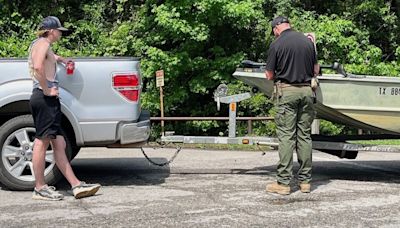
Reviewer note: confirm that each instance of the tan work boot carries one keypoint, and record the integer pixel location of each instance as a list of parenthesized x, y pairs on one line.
[(305, 187), (278, 188)]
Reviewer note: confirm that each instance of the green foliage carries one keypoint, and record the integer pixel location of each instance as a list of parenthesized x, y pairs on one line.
[(199, 44), (329, 128), (391, 142)]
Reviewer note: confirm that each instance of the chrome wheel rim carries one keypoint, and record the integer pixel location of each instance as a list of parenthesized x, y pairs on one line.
[(16, 155)]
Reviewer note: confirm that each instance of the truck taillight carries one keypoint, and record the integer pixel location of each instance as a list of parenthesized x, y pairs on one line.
[(127, 85), (132, 95)]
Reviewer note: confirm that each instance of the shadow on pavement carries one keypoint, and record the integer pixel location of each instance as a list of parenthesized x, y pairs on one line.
[(138, 171), (353, 170), (118, 171)]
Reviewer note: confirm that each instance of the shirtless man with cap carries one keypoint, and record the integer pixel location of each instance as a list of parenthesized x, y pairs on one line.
[(46, 112)]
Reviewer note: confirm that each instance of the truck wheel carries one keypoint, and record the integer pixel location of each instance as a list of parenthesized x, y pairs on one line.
[(16, 145)]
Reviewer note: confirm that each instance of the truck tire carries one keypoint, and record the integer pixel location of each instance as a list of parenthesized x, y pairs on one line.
[(75, 149), (16, 144)]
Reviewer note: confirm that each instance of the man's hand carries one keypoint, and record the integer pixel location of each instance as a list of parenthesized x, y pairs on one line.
[(62, 60), (316, 70), (65, 61), (269, 74)]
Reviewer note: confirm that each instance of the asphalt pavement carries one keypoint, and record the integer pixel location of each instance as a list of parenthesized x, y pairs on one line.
[(205, 188)]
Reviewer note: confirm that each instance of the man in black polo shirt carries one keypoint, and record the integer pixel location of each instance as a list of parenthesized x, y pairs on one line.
[(291, 63)]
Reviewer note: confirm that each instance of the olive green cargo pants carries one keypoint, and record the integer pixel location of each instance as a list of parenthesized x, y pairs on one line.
[(295, 114)]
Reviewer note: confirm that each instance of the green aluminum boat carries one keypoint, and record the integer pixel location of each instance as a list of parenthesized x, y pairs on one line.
[(365, 102)]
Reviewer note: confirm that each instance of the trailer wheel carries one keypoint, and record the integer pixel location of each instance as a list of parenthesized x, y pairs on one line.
[(16, 146)]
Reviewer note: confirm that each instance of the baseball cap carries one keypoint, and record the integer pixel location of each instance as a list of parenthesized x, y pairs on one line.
[(279, 20), (51, 22)]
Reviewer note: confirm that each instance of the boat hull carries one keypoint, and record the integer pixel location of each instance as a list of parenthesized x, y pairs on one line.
[(370, 102)]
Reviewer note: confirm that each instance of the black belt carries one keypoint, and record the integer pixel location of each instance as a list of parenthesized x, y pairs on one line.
[(283, 85)]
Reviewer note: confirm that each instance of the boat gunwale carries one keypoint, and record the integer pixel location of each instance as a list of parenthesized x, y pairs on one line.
[(337, 77), (363, 108)]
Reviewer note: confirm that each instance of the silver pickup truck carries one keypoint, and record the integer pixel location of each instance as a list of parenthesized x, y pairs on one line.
[(100, 103)]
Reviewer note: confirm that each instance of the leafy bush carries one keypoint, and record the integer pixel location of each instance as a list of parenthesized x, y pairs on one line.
[(199, 44)]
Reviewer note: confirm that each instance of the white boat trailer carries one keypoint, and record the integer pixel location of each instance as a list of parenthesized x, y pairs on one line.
[(331, 145)]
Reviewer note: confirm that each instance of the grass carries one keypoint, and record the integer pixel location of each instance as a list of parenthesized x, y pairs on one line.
[(391, 142), (217, 146)]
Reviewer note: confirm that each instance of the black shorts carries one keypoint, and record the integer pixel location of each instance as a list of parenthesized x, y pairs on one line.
[(46, 112)]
